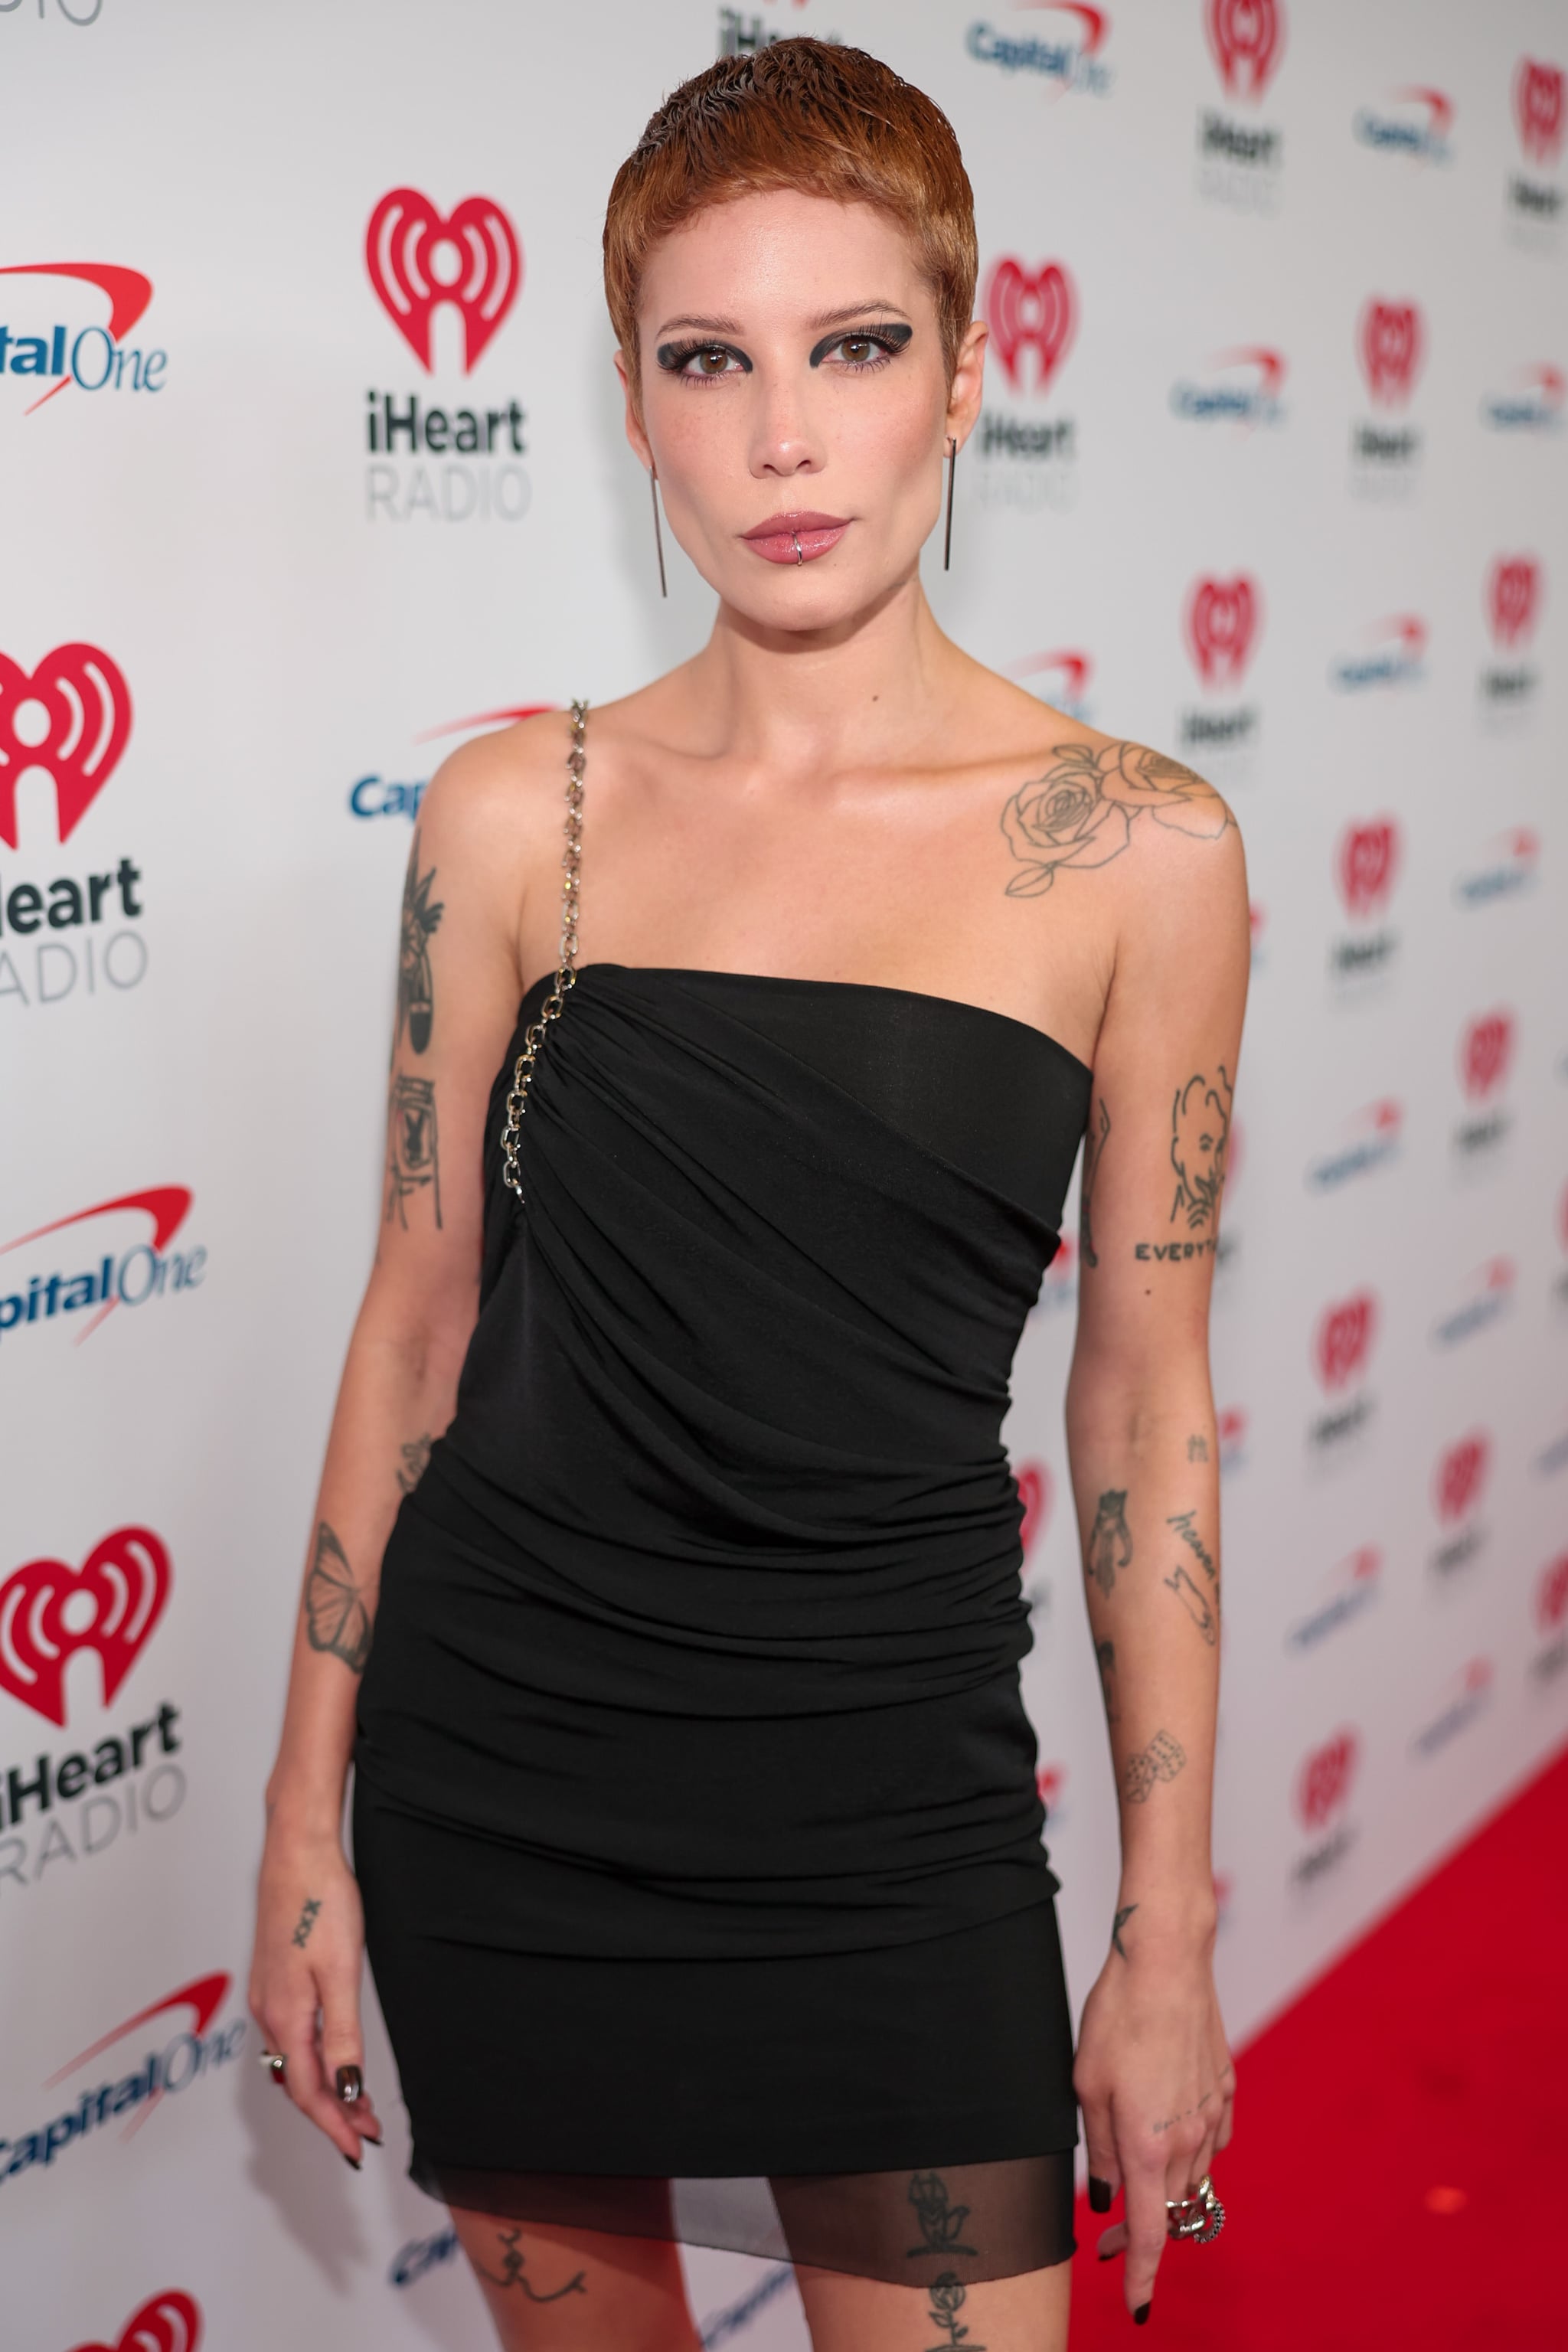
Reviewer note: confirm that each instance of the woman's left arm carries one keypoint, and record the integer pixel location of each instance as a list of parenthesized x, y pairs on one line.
[(1153, 2074)]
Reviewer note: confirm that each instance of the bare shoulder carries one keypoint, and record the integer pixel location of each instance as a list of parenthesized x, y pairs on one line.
[(491, 794), (1096, 799)]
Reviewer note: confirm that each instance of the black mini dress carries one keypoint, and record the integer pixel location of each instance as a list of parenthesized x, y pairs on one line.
[(695, 1807)]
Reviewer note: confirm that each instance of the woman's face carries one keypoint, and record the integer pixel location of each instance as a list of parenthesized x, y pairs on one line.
[(795, 404)]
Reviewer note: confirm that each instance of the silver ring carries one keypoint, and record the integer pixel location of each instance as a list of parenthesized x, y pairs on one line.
[(1200, 2217), (276, 2066)]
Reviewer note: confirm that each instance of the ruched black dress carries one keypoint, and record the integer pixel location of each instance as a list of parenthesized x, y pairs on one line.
[(695, 1807)]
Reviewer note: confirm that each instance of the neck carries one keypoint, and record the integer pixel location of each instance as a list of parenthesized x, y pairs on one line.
[(799, 698)]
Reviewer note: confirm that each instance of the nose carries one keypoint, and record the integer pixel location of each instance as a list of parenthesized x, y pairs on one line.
[(784, 443)]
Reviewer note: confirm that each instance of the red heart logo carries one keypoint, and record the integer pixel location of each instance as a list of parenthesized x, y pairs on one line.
[(1391, 343), (1552, 1595), (1222, 616), (1364, 866), (170, 2322), (1512, 594), (1036, 1492), (86, 706), (1486, 1049), (1245, 37), (1461, 1474), (1325, 1781), (48, 1610), (1538, 106), (416, 260), (1344, 1338), (1025, 312)]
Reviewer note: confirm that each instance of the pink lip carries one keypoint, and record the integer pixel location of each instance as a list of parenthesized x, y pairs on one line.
[(796, 537)]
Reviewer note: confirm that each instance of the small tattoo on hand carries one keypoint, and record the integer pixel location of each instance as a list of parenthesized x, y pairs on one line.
[(307, 1920)]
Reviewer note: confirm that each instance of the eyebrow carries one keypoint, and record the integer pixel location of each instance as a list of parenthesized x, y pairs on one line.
[(876, 305)]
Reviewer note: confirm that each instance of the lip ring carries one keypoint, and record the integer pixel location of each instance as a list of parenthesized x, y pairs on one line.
[(799, 556)]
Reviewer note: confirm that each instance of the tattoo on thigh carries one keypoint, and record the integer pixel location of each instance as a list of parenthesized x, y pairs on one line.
[(1161, 1760), (1110, 1538), (307, 1920), (941, 2224), (1194, 1603), (513, 2260), (947, 2295), (336, 1618)]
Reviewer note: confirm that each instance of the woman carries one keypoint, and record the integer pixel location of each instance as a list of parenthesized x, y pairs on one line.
[(695, 1817)]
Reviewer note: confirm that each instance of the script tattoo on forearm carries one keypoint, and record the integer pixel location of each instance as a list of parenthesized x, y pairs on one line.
[(336, 1619), (1161, 1760), (415, 988), (514, 2262), (1105, 1654), (1119, 1922), (1183, 1523), (306, 1921), (1081, 811), (1194, 1603), (1093, 1153), (413, 1150), (416, 1458), (1110, 1540)]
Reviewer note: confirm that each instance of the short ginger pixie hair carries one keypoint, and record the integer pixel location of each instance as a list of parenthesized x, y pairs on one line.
[(807, 115)]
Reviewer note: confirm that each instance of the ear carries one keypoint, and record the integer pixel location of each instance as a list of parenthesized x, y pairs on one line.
[(634, 433), (968, 382)]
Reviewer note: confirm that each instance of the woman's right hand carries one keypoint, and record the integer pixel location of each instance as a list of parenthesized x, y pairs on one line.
[(305, 1983)]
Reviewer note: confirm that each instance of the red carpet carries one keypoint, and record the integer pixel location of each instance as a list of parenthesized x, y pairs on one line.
[(1399, 2176)]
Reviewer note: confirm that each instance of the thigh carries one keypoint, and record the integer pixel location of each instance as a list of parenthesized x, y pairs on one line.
[(555, 2289), (1028, 2314)]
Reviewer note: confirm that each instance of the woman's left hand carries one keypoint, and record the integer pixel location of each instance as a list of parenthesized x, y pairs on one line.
[(1154, 2078)]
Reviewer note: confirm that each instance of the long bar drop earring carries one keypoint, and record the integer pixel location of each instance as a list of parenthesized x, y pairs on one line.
[(951, 470), (659, 537)]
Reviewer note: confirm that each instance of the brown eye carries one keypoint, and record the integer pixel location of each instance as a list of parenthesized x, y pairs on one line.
[(713, 362), (858, 348)]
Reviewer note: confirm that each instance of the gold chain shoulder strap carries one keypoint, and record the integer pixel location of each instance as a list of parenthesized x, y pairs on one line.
[(566, 965)]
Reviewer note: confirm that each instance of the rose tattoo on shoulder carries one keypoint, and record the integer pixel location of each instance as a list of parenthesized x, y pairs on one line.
[(1080, 812)]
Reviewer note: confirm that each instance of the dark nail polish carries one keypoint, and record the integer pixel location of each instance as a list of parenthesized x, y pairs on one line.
[(1110, 2257), (356, 2161), (368, 2142), (1098, 2194), (351, 2084), (1139, 2317)]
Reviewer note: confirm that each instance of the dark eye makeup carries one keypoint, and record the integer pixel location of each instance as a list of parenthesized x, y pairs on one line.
[(879, 344)]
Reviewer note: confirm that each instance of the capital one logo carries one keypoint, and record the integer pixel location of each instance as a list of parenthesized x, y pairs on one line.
[(1323, 1782), (170, 2322), (1513, 598), (1461, 1475), (1030, 311), (418, 260), (1222, 622), (49, 1610), (1036, 1492), (1343, 1338), (71, 716), (1486, 1050), (1538, 107), (1389, 340), (1247, 38), (1366, 863)]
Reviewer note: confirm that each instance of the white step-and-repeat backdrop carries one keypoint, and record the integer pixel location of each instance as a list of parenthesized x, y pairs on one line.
[(1270, 473)]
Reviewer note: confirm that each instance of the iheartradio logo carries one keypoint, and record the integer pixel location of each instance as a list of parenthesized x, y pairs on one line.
[(418, 260), (1247, 38), (1461, 1475), (1390, 340), (170, 2322), (1552, 1595), (1343, 1342), (70, 716), (1323, 1782), (1366, 864), (1036, 1491), (1538, 109), (1030, 311), (1222, 622), (1513, 598), (49, 1610), (1485, 1051)]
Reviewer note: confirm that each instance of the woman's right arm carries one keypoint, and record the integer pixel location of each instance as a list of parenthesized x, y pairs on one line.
[(483, 830)]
